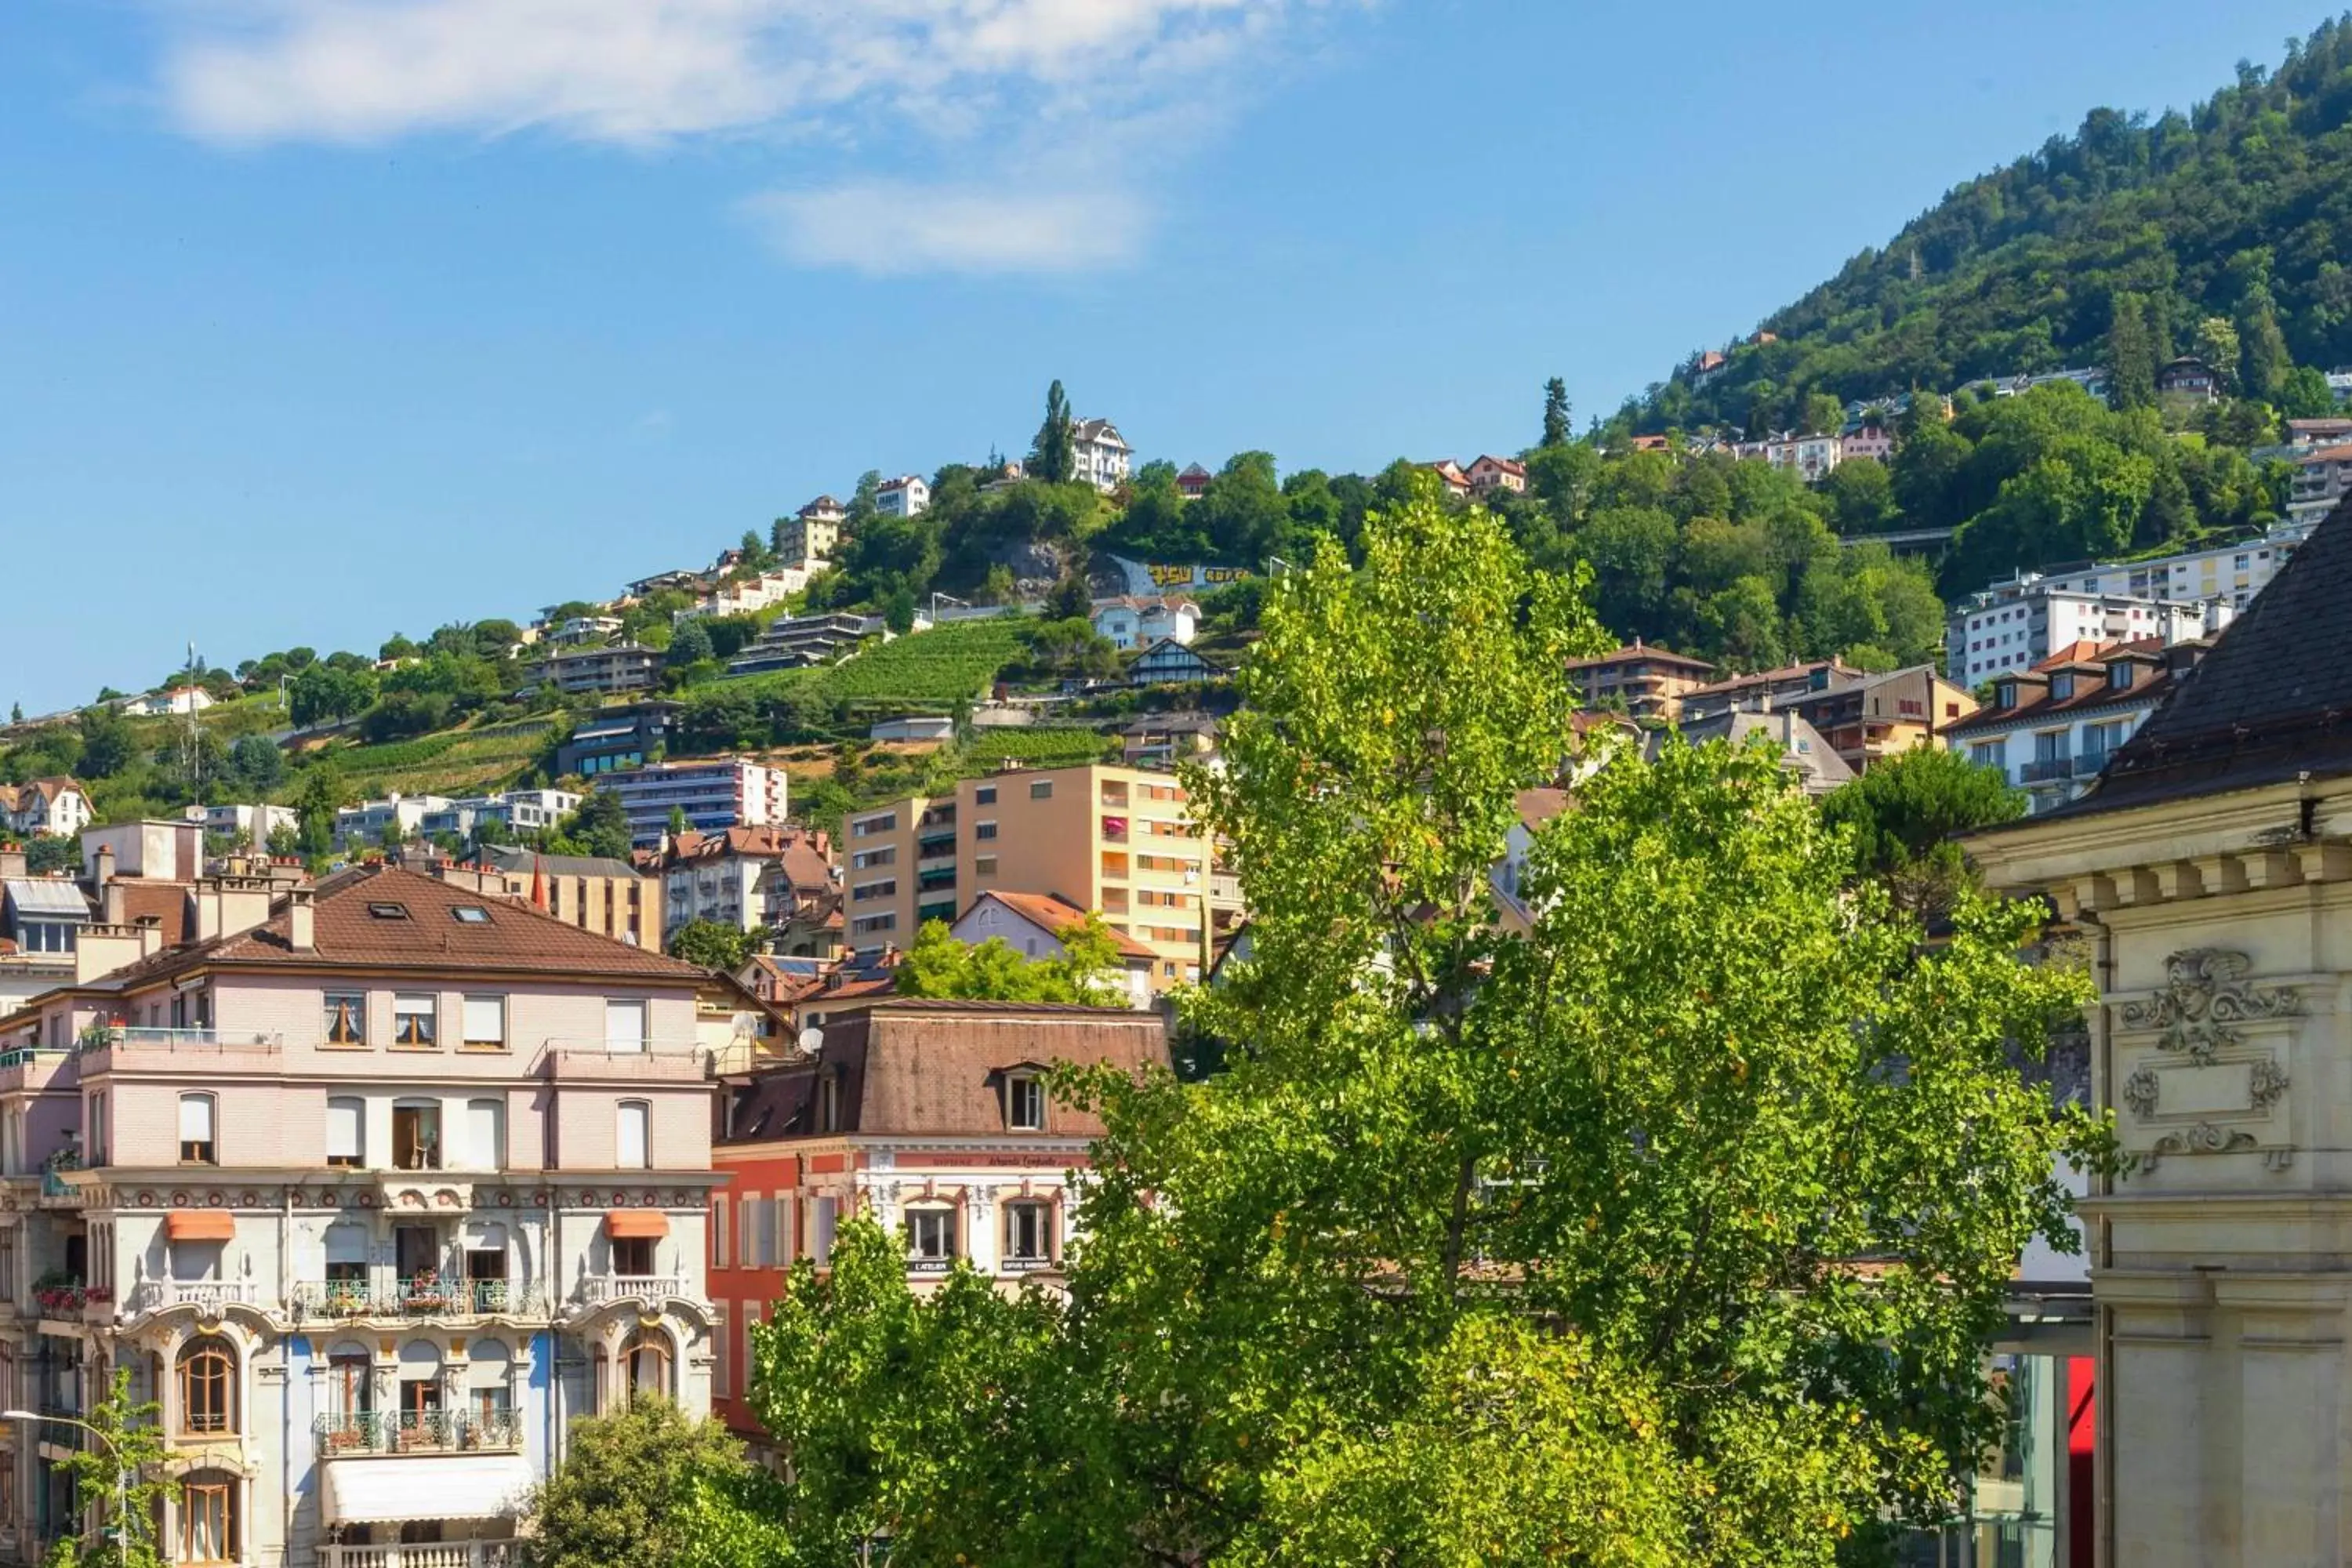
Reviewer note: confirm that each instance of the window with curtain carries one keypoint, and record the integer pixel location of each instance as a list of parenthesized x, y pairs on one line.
[(1028, 1231), (634, 1140), (196, 1145), (485, 1023), (485, 1134), (346, 1019), (207, 1517), (415, 1018), (207, 1370), (624, 1025), (346, 1131)]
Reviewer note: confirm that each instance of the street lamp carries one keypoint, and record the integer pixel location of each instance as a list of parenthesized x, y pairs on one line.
[(121, 1482)]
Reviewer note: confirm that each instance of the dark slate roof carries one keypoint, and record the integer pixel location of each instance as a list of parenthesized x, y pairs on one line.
[(2273, 701)]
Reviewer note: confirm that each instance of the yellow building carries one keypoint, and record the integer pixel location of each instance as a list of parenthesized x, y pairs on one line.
[(1101, 837)]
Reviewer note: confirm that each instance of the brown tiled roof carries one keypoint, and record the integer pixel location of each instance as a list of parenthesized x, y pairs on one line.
[(2273, 701), (802, 851), (427, 936), (930, 1068), (1764, 677), (1538, 806), (1048, 914), (1641, 650), (2091, 692)]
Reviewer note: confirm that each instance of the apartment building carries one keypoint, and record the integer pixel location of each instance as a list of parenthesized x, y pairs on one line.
[(611, 898), (715, 793), (933, 1119), (773, 876), (372, 1189), (908, 494), (1097, 837), (249, 825), (1762, 689), (1998, 635), (1884, 716), (2051, 729), (1099, 455), (1646, 682), (599, 671), (796, 642)]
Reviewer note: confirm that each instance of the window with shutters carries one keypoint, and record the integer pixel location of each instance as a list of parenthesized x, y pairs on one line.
[(346, 1131), (624, 1027), (721, 1257), (486, 1134), (634, 1140), (485, 1023), (196, 1147)]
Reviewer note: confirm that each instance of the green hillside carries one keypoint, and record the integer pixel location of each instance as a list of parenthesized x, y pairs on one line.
[(2221, 231)]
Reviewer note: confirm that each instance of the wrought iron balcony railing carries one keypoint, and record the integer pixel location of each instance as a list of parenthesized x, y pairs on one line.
[(418, 1432)]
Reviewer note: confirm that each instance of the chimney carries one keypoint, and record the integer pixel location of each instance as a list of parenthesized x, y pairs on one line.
[(13, 861), (302, 928), (113, 909), (105, 865)]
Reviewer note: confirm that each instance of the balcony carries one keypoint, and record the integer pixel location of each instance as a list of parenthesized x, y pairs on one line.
[(590, 1057), (439, 1554), (604, 1289), (2047, 769), (1114, 830), (423, 1297), (418, 1432), (932, 844), (101, 1037), (208, 1296)]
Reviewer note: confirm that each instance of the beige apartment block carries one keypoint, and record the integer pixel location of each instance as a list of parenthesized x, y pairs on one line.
[(2209, 870), (1100, 838)]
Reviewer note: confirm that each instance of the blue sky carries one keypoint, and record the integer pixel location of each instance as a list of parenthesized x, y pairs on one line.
[(323, 319)]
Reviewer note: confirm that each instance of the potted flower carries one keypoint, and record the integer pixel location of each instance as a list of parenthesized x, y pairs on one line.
[(425, 1292)]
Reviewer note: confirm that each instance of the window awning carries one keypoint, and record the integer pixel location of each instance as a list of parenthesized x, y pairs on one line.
[(627, 1223), (390, 1491), (200, 1225)]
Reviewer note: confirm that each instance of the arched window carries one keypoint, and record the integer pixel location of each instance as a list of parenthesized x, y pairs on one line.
[(208, 1521), (207, 1386), (644, 1363)]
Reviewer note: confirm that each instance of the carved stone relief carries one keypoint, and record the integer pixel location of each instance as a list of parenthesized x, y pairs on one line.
[(2205, 992)]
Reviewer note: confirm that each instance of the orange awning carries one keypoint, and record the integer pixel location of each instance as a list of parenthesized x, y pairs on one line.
[(625, 1223), (209, 1225)]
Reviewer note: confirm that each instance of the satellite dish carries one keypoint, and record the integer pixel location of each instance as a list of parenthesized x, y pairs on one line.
[(812, 1038)]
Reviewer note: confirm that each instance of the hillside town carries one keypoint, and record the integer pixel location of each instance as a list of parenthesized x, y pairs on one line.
[(641, 928)]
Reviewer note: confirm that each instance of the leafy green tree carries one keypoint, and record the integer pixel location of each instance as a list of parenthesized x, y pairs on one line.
[(601, 827), (107, 748), (1051, 456), (322, 795), (256, 766), (16, 713), (677, 823), (1568, 1215), (1558, 420), (1905, 813), (1088, 968), (48, 852), (2263, 362), (120, 1476), (396, 647), (394, 834), (2304, 393), (1860, 496), (690, 643), (1824, 415), (1070, 598), (715, 944), (646, 1488), (2218, 345), (286, 838)]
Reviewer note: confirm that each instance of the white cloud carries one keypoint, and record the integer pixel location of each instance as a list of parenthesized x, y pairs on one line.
[(639, 70), (886, 226), (908, 118)]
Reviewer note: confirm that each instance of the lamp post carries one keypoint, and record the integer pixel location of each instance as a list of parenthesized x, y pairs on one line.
[(122, 1480)]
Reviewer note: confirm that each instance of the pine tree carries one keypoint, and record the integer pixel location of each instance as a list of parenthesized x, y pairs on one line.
[(1050, 456), (1556, 425), (2131, 358), (2262, 357)]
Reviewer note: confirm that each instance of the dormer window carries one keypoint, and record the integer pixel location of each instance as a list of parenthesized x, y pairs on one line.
[(2119, 676), (1024, 1103), (2062, 686), (2005, 694)]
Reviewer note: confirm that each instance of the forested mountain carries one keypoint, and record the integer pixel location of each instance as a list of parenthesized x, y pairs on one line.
[(2222, 231)]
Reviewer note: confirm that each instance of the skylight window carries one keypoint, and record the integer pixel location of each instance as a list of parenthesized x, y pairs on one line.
[(471, 915), (388, 911)]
